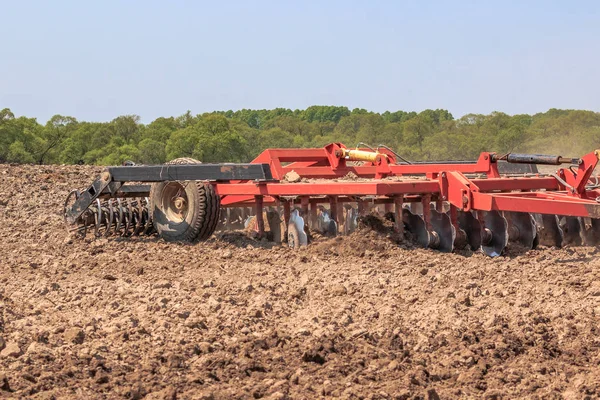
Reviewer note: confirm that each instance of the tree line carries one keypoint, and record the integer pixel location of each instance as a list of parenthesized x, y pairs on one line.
[(239, 136)]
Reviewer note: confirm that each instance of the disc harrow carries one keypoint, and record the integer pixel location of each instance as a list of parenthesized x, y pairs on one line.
[(289, 193), (123, 217)]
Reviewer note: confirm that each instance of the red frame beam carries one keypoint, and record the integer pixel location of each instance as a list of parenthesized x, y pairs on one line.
[(537, 194), (559, 203)]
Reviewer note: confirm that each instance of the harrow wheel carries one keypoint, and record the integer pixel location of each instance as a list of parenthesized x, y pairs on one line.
[(184, 211)]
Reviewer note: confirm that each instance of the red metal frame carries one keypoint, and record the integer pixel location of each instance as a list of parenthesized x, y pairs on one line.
[(393, 182), (326, 163)]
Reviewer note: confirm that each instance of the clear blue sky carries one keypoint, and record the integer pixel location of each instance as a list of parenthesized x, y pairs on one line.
[(98, 60)]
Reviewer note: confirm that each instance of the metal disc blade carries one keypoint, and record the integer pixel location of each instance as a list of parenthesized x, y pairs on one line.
[(441, 224), (472, 227), (498, 226), (248, 221), (572, 230), (322, 223), (416, 226), (350, 220), (536, 240), (593, 234), (298, 222), (550, 234), (416, 208), (525, 227), (332, 229)]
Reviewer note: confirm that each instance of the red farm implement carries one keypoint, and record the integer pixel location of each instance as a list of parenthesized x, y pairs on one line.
[(444, 205)]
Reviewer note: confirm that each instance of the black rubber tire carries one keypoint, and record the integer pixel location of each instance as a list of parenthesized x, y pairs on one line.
[(202, 215)]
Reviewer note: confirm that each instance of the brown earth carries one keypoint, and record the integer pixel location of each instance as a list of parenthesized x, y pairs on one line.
[(350, 317)]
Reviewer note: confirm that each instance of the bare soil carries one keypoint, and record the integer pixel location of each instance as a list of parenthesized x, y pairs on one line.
[(350, 317)]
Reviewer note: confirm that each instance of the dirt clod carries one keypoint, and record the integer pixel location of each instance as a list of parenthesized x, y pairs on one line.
[(12, 349), (4, 385), (292, 177), (338, 290), (74, 335)]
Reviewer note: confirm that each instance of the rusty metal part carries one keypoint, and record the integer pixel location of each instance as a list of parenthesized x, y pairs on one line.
[(517, 158), (112, 217)]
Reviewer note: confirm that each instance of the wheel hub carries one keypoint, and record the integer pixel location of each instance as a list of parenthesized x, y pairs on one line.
[(179, 203), (174, 202)]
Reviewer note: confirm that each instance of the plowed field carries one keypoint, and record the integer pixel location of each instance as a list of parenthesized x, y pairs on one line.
[(352, 317)]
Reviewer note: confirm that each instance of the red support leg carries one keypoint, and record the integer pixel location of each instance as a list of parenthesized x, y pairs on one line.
[(398, 219), (287, 211), (340, 218), (260, 222), (333, 209), (286, 218), (313, 214), (439, 205), (461, 237), (304, 203), (454, 215), (486, 234), (480, 217), (425, 202)]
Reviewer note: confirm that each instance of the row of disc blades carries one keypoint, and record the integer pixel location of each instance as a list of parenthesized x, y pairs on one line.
[(114, 217), (490, 232)]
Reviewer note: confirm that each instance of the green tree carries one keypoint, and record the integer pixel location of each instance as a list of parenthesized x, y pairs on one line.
[(182, 143), (8, 132), (56, 131), (231, 136), (185, 120), (152, 151), (514, 134), (17, 153), (118, 155), (324, 113), (161, 129), (276, 138), (126, 127), (416, 130)]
